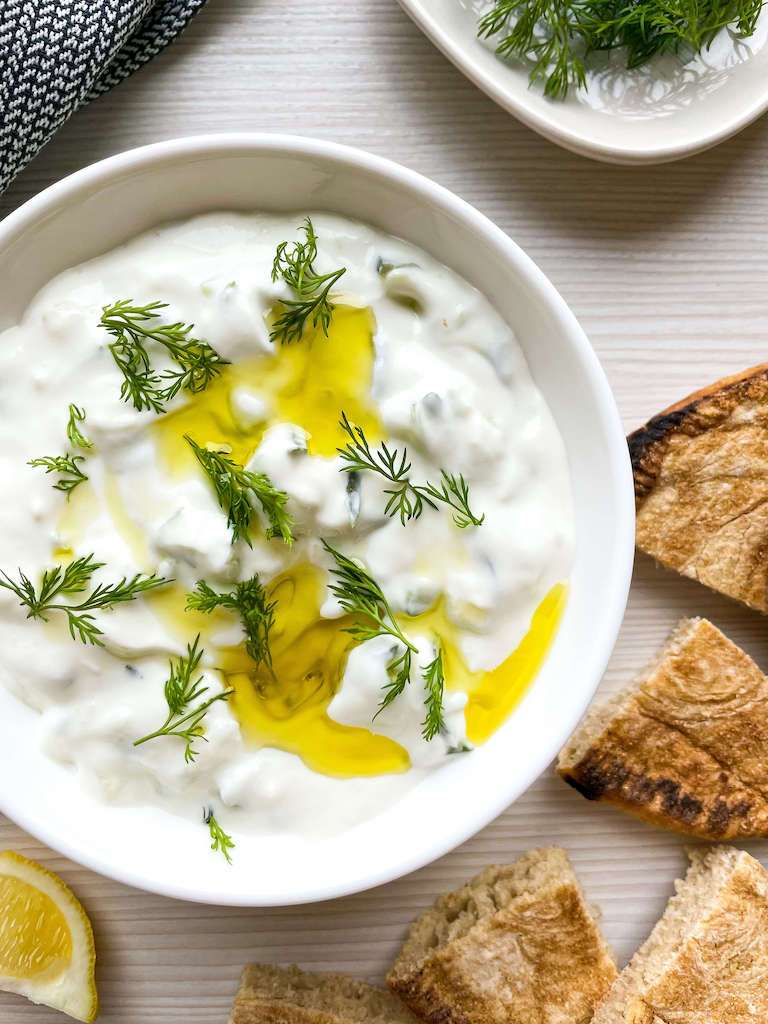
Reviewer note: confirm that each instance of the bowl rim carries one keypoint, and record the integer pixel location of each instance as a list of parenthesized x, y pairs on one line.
[(616, 585), (550, 128)]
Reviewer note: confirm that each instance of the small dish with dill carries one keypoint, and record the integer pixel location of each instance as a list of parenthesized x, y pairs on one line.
[(640, 83)]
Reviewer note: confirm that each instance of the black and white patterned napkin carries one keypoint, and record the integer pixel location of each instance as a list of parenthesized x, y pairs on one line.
[(57, 54)]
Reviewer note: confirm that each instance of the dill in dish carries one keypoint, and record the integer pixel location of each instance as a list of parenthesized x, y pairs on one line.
[(133, 327), (405, 499), (555, 38), (61, 590), (360, 596), (235, 489), (68, 467), (249, 601), (320, 534), (181, 690), (295, 264)]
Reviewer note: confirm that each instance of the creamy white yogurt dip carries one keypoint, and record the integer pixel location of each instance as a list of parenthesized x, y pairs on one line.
[(416, 356)]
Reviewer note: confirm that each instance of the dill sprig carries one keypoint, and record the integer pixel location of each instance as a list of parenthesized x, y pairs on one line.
[(132, 328), (68, 466), (220, 841), (399, 673), (454, 492), (295, 263), (405, 499), (541, 32), (249, 601), (360, 595), (555, 36), (181, 691), (72, 580), (234, 486), (434, 684), (75, 436)]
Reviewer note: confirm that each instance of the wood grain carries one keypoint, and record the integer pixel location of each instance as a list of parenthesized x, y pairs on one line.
[(667, 269)]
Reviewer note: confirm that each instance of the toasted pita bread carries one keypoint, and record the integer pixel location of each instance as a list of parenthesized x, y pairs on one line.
[(686, 747), (517, 945), (706, 961), (286, 995), (701, 486)]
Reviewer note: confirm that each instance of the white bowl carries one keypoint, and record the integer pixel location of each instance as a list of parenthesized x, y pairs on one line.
[(106, 204), (661, 112)]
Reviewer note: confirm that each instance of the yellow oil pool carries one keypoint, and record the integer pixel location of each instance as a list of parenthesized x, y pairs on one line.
[(493, 695), (306, 383)]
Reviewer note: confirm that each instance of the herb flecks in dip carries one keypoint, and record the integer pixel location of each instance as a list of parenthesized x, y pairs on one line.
[(336, 504)]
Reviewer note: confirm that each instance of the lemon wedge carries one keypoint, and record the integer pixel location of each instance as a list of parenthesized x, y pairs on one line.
[(46, 940)]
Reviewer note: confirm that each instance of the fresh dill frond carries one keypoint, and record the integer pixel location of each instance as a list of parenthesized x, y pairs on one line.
[(75, 436), (249, 600), (132, 328), (295, 264), (181, 691), (231, 488), (406, 499), (234, 487), (454, 492), (360, 595), (71, 580), (68, 468), (399, 673), (434, 684), (544, 34), (555, 37), (220, 841)]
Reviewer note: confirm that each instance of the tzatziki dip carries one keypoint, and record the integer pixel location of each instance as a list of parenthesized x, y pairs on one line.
[(287, 523)]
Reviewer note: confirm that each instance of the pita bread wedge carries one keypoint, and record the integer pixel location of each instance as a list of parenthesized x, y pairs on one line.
[(287, 995), (517, 945), (706, 961), (686, 747), (701, 486)]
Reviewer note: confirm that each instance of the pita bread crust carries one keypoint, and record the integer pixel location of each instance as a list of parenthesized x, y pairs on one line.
[(688, 748), (539, 959), (701, 486)]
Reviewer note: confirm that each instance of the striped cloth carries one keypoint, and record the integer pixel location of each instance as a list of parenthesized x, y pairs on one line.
[(57, 54)]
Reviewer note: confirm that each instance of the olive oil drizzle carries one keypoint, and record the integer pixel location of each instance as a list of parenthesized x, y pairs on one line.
[(299, 384)]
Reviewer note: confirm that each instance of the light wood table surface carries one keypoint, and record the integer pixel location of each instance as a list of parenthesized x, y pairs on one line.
[(667, 269)]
